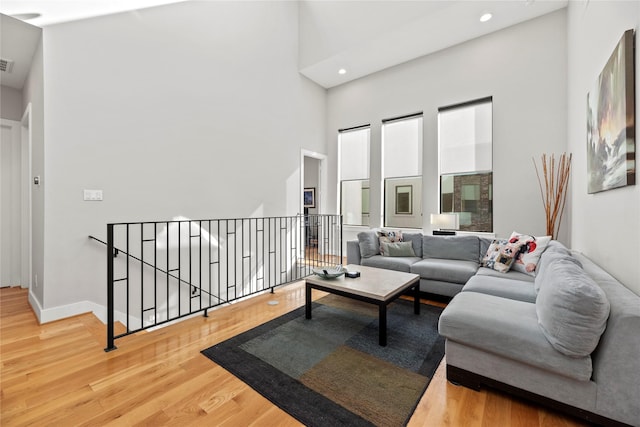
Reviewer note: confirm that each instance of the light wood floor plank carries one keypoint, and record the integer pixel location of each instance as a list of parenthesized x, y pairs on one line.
[(59, 374), (497, 411)]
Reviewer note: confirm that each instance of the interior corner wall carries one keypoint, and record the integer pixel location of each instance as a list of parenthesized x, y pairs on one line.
[(606, 225), (194, 109), (524, 69), (10, 103), (33, 93)]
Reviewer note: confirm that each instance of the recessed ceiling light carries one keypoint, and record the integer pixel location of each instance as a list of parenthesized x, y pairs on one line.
[(342, 71), (485, 17)]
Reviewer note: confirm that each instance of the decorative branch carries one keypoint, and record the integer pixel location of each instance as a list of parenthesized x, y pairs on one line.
[(554, 194)]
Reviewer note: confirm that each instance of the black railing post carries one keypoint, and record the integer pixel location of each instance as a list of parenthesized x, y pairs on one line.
[(110, 305)]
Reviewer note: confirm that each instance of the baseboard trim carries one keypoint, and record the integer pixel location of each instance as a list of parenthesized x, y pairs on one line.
[(459, 376), (35, 306), (47, 315)]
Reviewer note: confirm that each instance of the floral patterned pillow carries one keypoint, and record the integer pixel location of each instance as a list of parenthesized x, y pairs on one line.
[(385, 236), (501, 255), (530, 250)]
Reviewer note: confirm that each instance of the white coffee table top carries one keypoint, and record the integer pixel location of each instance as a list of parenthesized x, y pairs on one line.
[(375, 283)]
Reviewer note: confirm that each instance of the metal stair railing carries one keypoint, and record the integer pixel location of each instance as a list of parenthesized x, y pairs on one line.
[(161, 271)]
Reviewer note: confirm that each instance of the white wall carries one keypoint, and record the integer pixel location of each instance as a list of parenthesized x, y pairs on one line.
[(193, 109), (522, 67), (606, 225)]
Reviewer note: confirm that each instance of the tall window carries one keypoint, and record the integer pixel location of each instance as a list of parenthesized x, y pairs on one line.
[(353, 146), (402, 171), (465, 138)]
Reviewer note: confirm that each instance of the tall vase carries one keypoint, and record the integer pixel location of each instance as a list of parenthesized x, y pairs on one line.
[(554, 183)]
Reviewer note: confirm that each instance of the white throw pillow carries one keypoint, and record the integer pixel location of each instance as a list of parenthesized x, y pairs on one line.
[(530, 250)]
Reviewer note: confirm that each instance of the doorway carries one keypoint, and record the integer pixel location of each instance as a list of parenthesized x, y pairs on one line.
[(312, 196), (310, 202), (10, 204), (15, 201)]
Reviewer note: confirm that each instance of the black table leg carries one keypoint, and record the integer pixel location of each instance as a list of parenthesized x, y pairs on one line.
[(382, 324), (416, 298), (307, 303)]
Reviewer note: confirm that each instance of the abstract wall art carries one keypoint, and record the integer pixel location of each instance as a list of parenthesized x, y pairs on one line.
[(611, 121)]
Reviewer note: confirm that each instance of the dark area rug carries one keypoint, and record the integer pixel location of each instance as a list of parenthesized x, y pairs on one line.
[(330, 370)]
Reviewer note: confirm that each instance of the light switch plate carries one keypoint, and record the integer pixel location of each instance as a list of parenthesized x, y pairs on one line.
[(93, 195)]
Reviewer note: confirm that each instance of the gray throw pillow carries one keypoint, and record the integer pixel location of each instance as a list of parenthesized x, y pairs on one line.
[(572, 309), (398, 249), (369, 245)]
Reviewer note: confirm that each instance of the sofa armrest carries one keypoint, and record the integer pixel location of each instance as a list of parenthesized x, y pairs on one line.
[(353, 252), (616, 366)]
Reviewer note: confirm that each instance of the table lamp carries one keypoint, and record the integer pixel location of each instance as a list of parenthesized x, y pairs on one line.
[(445, 224)]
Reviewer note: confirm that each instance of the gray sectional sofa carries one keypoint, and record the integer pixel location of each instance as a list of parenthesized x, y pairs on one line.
[(567, 336), (444, 264)]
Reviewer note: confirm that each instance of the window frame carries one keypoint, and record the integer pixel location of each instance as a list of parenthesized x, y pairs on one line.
[(341, 181), (416, 209)]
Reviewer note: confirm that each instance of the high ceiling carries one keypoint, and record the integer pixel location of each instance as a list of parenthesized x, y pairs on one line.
[(57, 11), (20, 39), (368, 36), (18, 43), (361, 37)]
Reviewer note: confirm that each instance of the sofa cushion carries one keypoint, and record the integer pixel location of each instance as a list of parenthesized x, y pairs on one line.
[(556, 246), (446, 270), (368, 242), (390, 263), (439, 287), (515, 275), (465, 248), (484, 245), (509, 329), (549, 257), (500, 255), (572, 309), (416, 242), (502, 287), (531, 248)]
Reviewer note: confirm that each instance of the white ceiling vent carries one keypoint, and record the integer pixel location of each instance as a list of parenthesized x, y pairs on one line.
[(6, 65)]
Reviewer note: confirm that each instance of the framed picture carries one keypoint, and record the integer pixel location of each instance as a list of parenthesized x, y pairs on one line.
[(404, 202), (309, 197), (365, 200), (611, 122)]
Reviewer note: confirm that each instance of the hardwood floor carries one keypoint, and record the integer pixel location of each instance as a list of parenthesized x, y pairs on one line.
[(58, 374)]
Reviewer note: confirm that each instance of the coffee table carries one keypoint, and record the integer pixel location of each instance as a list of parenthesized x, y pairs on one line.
[(375, 285)]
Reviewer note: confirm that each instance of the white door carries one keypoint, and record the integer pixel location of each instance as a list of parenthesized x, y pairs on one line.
[(10, 203)]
